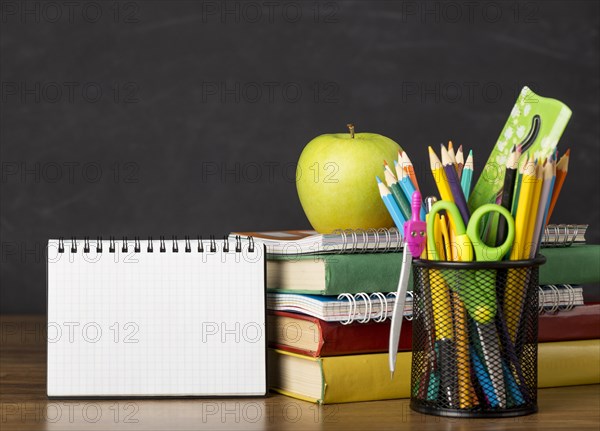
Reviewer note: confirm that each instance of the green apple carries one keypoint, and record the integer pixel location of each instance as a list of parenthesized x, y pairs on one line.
[(336, 183)]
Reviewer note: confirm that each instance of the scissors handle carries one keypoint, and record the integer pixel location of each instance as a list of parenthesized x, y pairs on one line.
[(484, 252), (462, 241)]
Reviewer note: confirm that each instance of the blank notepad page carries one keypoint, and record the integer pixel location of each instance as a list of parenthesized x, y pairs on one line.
[(139, 323)]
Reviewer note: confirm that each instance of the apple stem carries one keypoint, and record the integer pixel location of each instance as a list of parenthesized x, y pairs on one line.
[(351, 128)]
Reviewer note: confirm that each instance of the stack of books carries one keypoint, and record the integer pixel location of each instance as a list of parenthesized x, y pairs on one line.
[(330, 298)]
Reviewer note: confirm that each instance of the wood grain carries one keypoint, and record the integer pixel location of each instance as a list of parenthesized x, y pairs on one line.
[(24, 405)]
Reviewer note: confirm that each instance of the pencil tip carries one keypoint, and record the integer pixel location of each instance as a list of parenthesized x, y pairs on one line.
[(391, 375), (378, 179), (568, 152)]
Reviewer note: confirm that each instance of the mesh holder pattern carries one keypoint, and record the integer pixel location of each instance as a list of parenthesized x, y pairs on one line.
[(475, 338)]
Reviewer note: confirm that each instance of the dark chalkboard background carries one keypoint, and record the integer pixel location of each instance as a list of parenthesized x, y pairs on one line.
[(181, 117)]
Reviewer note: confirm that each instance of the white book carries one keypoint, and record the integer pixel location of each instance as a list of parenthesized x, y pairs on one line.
[(156, 318)]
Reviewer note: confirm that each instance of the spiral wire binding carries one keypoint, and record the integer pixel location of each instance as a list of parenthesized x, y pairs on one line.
[(383, 305), (150, 248), (225, 244), (351, 238), (556, 306), (366, 304), (562, 235)]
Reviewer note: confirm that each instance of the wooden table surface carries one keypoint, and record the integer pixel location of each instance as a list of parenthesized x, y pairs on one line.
[(24, 405)]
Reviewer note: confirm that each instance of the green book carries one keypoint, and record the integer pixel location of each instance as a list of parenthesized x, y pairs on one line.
[(333, 274), (578, 264)]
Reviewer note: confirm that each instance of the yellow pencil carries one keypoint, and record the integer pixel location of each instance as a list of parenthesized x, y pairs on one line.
[(514, 293), (446, 238), (442, 310), (528, 183), (462, 352), (439, 176), (439, 237), (530, 249)]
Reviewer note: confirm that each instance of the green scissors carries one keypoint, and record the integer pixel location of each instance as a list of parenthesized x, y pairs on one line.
[(481, 302)]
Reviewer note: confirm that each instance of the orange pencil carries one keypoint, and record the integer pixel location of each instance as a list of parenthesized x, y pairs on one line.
[(562, 168), (408, 167)]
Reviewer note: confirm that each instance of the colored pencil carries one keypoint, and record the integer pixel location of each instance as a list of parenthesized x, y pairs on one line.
[(391, 205), (407, 186), (510, 178), (408, 167), (528, 183), (513, 297), (562, 169), (439, 176), (462, 352), (387, 168), (446, 240), (467, 176), (460, 161), (521, 164), (397, 193), (452, 155), (454, 183), (533, 211), (548, 169)]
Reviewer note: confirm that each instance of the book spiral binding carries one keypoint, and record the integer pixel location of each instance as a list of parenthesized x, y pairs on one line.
[(372, 240), (557, 304), (212, 244), (562, 235), (363, 313)]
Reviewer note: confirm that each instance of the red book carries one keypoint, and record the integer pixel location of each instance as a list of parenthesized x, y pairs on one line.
[(307, 335), (580, 323)]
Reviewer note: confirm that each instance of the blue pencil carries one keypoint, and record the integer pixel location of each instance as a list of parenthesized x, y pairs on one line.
[(484, 379), (467, 176), (407, 186), (391, 205)]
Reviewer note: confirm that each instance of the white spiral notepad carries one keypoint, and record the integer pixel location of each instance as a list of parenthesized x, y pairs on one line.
[(156, 318)]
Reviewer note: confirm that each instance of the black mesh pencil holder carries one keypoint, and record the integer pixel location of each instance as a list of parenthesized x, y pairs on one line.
[(475, 338)]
